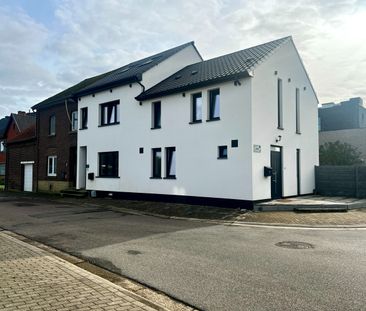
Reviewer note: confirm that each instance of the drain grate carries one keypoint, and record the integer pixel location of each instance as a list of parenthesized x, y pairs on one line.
[(295, 245), (133, 252)]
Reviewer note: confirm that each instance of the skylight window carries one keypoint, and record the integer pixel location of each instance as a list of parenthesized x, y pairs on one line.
[(194, 72), (145, 63), (177, 77)]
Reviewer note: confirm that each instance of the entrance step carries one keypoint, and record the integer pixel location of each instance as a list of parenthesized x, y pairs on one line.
[(72, 192)]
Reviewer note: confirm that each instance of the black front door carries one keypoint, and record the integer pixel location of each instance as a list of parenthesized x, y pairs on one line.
[(276, 179), (72, 166)]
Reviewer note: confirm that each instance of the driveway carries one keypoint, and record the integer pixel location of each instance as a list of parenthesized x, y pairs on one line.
[(212, 267)]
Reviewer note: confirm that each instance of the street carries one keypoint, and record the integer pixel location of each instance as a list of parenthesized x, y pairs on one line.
[(211, 267)]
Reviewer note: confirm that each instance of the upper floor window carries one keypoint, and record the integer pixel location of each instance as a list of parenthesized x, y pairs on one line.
[(109, 113), (74, 121), (196, 114), (52, 166), (84, 118), (52, 125), (214, 105), (108, 164), (156, 115), (297, 98), (222, 152), (170, 162), (2, 146), (156, 163), (279, 105)]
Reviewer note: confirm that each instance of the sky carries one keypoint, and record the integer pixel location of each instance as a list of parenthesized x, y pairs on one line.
[(49, 45)]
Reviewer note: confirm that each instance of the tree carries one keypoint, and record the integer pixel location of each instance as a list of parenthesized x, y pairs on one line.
[(337, 153)]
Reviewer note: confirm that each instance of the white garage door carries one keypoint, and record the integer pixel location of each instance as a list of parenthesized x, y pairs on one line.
[(28, 177)]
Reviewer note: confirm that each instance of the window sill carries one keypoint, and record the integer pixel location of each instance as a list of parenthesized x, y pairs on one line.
[(83, 128), (298, 133), (195, 122), (170, 177), (73, 132), (116, 177), (155, 128), (110, 124), (222, 158), (51, 135), (280, 128), (52, 175), (155, 178), (213, 119)]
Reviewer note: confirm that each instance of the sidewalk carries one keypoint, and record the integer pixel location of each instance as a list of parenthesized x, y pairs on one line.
[(33, 279)]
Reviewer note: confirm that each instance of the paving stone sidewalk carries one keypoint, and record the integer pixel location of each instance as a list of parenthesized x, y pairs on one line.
[(33, 279)]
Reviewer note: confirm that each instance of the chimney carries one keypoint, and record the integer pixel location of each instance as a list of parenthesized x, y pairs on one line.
[(21, 112)]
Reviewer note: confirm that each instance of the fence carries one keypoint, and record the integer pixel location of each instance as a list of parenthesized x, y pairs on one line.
[(347, 181)]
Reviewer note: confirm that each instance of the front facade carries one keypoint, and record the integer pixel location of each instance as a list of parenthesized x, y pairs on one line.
[(209, 133), (56, 147)]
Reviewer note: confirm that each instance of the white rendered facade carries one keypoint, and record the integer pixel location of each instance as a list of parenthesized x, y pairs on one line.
[(248, 114)]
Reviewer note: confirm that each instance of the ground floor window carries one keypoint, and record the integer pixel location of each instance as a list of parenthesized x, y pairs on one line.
[(170, 162), (108, 164), (156, 163), (2, 169), (52, 166)]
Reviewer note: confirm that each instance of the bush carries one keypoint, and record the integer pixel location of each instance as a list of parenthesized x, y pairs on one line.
[(337, 153)]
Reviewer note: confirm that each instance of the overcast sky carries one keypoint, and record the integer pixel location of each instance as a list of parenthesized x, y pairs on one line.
[(46, 46)]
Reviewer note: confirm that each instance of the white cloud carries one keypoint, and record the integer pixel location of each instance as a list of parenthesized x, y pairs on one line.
[(90, 37)]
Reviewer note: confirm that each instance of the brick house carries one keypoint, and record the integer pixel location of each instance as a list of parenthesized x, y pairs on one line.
[(21, 153)]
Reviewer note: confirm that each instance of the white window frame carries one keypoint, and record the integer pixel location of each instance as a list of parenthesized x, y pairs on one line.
[(53, 171), (74, 121)]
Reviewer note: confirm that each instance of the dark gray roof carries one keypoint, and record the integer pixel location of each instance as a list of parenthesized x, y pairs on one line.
[(24, 120), (131, 72), (223, 68), (3, 126), (68, 93)]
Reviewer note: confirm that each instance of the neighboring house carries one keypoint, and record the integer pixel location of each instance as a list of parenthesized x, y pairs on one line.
[(209, 133), (344, 122), (3, 126), (349, 114), (21, 152)]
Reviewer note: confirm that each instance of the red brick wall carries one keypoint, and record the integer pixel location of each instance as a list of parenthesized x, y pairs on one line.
[(16, 153), (58, 145)]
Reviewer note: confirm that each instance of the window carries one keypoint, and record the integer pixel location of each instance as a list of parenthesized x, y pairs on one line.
[(297, 94), (2, 146), (108, 164), (52, 166), (2, 169), (156, 115), (214, 105), (109, 113), (279, 105), (74, 121), (196, 108), (234, 143), (170, 162), (222, 152), (52, 126), (84, 118), (156, 163)]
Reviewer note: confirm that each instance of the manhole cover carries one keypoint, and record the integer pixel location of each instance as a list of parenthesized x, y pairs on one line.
[(294, 245), (25, 204), (133, 252)]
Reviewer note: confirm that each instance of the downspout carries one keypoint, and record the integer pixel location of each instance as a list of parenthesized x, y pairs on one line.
[(37, 148), (143, 87)]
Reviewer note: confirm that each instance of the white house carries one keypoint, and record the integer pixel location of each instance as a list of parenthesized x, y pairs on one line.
[(230, 130)]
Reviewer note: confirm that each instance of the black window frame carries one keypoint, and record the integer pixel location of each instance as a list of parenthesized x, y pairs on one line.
[(220, 153), (106, 158), (156, 115), (211, 105), (156, 166), (52, 131), (194, 118), (298, 111), (84, 118), (169, 151), (280, 104), (114, 103)]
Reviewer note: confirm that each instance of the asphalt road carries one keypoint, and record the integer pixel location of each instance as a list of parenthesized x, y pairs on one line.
[(212, 267)]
